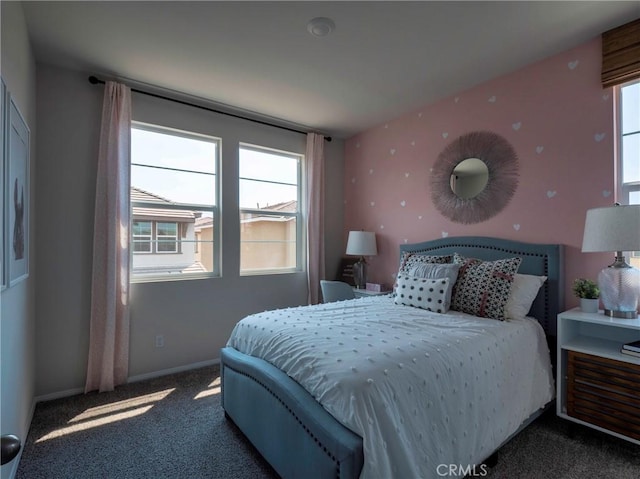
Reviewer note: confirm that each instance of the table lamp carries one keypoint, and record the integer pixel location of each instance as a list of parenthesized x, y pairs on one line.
[(361, 243), (615, 228)]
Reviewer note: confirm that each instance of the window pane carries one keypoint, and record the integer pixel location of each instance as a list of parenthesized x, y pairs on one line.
[(175, 186), (630, 99), (631, 158), (167, 229), (260, 195), (168, 168), (269, 182), (142, 228), (268, 166), (268, 243), (173, 151), (634, 198)]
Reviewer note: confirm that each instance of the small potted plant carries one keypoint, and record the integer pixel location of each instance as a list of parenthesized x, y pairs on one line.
[(588, 292)]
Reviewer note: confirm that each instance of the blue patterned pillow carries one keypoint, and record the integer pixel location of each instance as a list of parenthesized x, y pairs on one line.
[(483, 287)]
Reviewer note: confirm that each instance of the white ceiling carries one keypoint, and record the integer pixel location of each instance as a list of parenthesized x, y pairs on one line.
[(382, 60)]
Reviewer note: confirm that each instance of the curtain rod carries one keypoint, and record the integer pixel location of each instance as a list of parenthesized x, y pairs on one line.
[(95, 81)]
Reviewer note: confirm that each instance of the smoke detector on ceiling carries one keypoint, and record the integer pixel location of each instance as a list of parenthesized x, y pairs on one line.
[(320, 26)]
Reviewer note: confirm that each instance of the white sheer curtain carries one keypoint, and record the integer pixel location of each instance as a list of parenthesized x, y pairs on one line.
[(315, 214), (108, 363)]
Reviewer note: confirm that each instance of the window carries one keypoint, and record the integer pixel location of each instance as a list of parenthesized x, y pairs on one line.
[(270, 219), (630, 142), (629, 149), (174, 197), (142, 236)]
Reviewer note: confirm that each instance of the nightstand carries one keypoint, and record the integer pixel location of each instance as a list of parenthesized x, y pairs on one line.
[(364, 293), (597, 385)]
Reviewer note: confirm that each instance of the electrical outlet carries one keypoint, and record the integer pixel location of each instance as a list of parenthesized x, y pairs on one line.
[(159, 341)]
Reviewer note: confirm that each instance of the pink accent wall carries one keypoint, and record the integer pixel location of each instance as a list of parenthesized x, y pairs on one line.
[(558, 119)]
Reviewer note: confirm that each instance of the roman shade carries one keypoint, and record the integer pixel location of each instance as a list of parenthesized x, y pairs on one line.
[(621, 54)]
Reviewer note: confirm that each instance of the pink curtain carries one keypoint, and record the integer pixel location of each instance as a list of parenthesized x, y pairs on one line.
[(108, 364), (315, 214)]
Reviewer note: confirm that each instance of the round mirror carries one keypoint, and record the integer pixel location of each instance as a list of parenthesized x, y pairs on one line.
[(474, 177), (469, 178)]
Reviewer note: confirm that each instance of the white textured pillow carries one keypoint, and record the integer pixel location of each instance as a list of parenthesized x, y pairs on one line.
[(425, 293), (523, 292), (436, 271)]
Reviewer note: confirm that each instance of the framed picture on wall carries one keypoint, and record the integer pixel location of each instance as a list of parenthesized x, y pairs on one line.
[(17, 196), (3, 178)]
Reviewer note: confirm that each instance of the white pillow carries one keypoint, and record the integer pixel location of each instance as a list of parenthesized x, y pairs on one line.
[(436, 271), (425, 293), (523, 292)]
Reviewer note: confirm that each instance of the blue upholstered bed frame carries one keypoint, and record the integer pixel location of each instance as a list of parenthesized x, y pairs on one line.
[(296, 435)]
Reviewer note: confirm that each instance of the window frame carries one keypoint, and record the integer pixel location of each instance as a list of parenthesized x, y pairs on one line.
[(624, 189), (300, 242), (214, 209)]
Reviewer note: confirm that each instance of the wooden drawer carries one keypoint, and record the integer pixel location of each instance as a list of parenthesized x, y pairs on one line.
[(604, 392)]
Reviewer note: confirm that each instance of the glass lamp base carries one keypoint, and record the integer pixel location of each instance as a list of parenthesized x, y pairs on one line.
[(620, 290), (360, 274)]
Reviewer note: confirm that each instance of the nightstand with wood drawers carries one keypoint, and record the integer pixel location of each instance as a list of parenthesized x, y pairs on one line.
[(597, 385)]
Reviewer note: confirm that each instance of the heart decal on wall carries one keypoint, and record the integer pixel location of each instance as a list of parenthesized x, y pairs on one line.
[(573, 65), (456, 99), (445, 135), (392, 151), (381, 227), (551, 193), (516, 226), (445, 234), (373, 203), (539, 149), (420, 217), (403, 203), (371, 171), (406, 175), (516, 126), (492, 99), (606, 193), (413, 143), (599, 137)]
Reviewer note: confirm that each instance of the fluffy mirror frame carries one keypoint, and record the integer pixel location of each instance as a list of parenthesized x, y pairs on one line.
[(502, 164)]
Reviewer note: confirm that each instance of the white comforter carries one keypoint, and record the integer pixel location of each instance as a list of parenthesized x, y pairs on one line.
[(422, 389)]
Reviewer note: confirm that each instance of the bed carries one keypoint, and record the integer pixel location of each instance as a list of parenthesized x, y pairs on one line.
[(314, 411)]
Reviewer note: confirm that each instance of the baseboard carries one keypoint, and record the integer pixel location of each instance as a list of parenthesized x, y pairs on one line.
[(132, 379), (58, 395), (179, 369)]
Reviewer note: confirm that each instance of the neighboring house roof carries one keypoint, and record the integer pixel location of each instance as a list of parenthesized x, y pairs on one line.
[(285, 206), (204, 222), (157, 214)]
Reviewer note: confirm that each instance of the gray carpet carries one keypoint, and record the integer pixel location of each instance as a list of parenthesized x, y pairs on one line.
[(174, 427)]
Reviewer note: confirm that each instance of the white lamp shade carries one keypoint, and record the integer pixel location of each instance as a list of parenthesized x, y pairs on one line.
[(612, 228), (362, 243)]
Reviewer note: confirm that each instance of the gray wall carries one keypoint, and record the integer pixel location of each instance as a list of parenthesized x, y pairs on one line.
[(195, 316), (17, 314)]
